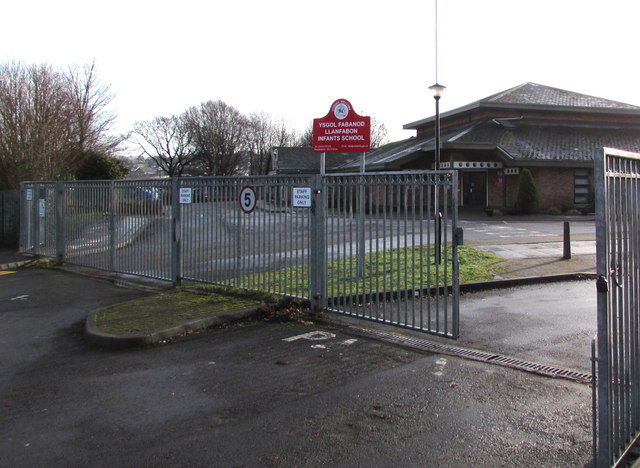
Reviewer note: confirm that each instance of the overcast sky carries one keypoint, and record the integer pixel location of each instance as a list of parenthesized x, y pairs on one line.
[(293, 59)]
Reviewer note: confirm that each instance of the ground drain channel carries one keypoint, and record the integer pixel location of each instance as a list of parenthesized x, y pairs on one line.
[(519, 364)]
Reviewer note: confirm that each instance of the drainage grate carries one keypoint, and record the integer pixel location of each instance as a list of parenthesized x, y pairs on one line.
[(491, 358), (541, 369)]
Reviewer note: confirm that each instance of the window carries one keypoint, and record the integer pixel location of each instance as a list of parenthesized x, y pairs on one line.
[(581, 186)]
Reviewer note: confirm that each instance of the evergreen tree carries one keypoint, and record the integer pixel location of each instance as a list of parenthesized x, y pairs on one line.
[(100, 166)]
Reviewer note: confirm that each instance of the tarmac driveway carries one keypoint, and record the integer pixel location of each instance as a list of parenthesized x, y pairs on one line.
[(260, 394)]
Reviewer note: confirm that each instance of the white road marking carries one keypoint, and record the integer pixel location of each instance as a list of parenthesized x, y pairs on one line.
[(311, 336), (440, 365)]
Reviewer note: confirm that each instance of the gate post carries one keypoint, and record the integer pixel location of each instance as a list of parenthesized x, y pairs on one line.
[(25, 217), (113, 212), (176, 264), (360, 228), (601, 388), (457, 240), (318, 247), (60, 224), (38, 206)]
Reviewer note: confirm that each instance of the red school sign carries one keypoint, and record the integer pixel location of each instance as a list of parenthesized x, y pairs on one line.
[(342, 130)]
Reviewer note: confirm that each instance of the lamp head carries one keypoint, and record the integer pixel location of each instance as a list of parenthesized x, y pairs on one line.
[(437, 89)]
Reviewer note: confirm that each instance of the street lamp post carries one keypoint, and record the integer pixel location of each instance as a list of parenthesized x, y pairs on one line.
[(437, 89)]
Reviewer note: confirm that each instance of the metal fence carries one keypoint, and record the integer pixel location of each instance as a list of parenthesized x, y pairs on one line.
[(617, 393), (376, 246), (265, 247), (9, 217)]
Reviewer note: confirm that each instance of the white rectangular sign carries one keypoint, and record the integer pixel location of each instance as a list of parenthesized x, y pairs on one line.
[(301, 197), (29, 194), (185, 196), (41, 207)]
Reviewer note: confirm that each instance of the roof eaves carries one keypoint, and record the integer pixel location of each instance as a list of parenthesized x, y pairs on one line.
[(551, 163), (414, 146), (504, 154), (554, 108)]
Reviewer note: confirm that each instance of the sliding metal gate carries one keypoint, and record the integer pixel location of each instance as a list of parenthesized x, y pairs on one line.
[(617, 394), (378, 246)]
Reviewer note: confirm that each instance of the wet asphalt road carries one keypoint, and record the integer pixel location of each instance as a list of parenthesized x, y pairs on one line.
[(243, 396), (552, 323)]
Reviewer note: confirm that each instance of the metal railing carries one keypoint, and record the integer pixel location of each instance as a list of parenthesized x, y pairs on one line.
[(266, 248), (377, 246), (617, 393)]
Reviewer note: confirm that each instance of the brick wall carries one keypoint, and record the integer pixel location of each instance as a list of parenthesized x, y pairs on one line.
[(555, 187)]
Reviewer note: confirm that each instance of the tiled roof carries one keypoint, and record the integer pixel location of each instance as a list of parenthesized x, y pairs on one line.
[(535, 141), (536, 96), (533, 93), (520, 141)]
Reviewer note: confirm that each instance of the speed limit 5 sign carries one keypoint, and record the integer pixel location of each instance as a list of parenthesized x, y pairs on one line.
[(248, 199)]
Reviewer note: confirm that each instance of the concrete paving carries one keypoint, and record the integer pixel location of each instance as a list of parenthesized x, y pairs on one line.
[(540, 249), (533, 252)]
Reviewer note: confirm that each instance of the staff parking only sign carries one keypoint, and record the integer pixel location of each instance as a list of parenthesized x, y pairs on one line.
[(342, 130)]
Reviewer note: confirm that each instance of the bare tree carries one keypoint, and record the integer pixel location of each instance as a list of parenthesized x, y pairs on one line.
[(44, 116), (90, 119), (33, 124), (305, 139), (264, 134), (379, 134), (219, 134), (167, 141)]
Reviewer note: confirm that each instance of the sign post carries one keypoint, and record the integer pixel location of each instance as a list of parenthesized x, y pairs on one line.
[(344, 131)]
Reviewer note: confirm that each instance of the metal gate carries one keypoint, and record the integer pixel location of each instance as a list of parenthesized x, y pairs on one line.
[(617, 393), (391, 249), (378, 246)]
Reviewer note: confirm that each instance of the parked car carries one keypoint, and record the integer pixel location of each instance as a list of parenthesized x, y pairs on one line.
[(142, 193)]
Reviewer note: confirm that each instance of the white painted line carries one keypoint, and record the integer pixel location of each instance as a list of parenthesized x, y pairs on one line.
[(348, 342), (311, 336)]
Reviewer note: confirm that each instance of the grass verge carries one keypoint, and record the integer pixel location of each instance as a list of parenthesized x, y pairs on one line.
[(397, 269), (405, 268), (168, 309)]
